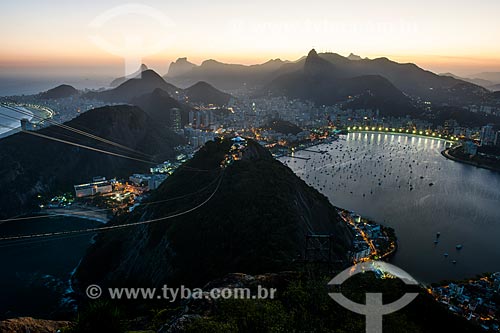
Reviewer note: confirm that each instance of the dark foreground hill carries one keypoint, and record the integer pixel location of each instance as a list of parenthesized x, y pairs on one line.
[(159, 105), (204, 93), (283, 126), (33, 165), (302, 304), (255, 222)]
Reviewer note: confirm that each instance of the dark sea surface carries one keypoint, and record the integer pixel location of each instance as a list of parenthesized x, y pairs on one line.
[(35, 272), (388, 178)]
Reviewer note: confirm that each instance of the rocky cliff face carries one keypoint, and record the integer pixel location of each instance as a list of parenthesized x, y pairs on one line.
[(255, 222), (179, 67)]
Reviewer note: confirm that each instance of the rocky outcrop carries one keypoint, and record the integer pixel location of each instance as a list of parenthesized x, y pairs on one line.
[(32, 325)]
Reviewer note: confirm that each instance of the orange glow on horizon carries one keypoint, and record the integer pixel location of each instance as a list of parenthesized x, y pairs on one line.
[(446, 36)]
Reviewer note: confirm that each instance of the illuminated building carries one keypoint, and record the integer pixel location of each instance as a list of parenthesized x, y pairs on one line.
[(487, 135), (99, 185), (175, 119)]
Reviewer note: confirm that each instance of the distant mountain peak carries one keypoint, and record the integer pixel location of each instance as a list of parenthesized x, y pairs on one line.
[(204, 92), (141, 69), (180, 67), (315, 65), (149, 73), (354, 57), (120, 80), (312, 53), (210, 62), (144, 83), (202, 84), (61, 91), (182, 60)]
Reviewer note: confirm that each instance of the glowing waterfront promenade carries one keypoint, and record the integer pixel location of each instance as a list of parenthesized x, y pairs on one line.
[(402, 131)]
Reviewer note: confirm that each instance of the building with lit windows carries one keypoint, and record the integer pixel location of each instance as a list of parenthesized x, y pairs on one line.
[(99, 185), (487, 135)]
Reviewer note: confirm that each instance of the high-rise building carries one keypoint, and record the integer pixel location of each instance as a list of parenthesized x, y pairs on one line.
[(195, 141), (497, 139), (470, 148), (191, 118), (204, 119), (211, 119), (487, 135), (175, 119), (198, 119)]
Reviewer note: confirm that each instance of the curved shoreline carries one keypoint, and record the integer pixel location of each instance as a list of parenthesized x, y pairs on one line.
[(39, 112), (446, 154)]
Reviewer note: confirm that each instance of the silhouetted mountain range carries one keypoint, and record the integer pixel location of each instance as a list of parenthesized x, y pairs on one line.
[(480, 82), (148, 81), (33, 165), (220, 75), (325, 83), (410, 79), (61, 91), (493, 77), (137, 90), (353, 56), (495, 87), (256, 221)]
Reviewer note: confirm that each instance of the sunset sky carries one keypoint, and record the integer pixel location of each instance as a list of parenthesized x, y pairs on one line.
[(55, 36)]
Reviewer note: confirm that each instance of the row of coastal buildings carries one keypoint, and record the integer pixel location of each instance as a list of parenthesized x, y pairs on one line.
[(146, 181), (489, 144), (476, 300), (363, 231), (101, 185)]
